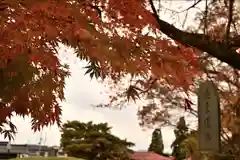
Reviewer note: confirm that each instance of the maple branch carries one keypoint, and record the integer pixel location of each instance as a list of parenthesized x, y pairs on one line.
[(215, 72), (150, 86), (216, 49)]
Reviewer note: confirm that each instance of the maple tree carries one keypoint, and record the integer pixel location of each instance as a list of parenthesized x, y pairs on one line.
[(164, 65)]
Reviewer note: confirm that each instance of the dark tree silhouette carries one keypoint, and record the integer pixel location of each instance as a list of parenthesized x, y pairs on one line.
[(156, 145)]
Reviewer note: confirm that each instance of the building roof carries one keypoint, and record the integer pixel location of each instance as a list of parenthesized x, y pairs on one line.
[(148, 156), (23, 148)]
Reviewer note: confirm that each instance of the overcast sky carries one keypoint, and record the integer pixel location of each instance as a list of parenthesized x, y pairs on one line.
[(80, 93)]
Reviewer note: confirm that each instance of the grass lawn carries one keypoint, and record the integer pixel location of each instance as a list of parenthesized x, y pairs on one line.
[(47, 158)]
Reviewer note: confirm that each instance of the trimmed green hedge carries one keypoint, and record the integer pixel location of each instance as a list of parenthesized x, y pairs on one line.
[(47, 158)]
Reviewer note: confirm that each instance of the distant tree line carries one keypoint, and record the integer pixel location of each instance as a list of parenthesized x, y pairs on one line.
[(95, 142), (180, 148), (185, 144)]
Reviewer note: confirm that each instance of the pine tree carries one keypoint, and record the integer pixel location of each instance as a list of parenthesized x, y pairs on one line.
[(181, 133), (93, 142), (157, 142)]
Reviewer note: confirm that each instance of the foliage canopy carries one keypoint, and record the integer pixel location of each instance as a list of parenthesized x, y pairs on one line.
[(118, 39)]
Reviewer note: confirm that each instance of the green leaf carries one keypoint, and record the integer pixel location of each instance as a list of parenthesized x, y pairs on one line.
[(93, 70)]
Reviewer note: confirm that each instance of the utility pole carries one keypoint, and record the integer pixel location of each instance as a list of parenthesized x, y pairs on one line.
[(8, 147), (39, 143)]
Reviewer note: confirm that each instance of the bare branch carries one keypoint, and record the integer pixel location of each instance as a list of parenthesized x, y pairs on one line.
[(230, 18), (192, 6)]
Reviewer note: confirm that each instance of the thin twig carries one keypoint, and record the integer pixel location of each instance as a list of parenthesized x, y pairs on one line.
[(192, 6)]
